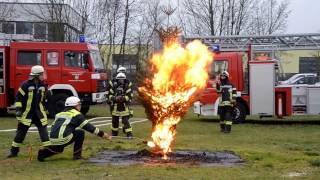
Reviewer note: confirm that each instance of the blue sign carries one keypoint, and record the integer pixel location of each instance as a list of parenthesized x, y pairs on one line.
[(82, 38), (215, 48)]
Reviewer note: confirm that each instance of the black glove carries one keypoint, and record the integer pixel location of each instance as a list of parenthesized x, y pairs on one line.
[(120, 99)]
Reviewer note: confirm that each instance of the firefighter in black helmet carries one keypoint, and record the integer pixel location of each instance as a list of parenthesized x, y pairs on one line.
[(227, 101), (30, 109)]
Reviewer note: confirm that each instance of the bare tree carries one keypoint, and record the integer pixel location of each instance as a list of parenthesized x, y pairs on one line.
[(268, 17), (6, 11), (234, 17)]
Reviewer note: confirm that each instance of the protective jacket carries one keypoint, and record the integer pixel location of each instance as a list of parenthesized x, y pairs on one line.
[(65, 124), (31, 101), (227, 93), (119, 97)]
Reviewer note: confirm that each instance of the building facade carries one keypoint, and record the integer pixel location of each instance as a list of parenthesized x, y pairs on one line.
[(43, 21)]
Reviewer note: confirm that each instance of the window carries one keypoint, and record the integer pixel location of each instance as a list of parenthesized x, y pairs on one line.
[(310, 79), (8, 28), (76, 59), (96, 60), (29, 58), (218, 67), (40, 30), (23, 28), (53, 58)]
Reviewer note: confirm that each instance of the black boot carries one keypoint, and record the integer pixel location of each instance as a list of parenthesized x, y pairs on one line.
[(129, 135), (41, 155), (13, 152), (222, 127), (227, 129), (77, 155), (114, 133)]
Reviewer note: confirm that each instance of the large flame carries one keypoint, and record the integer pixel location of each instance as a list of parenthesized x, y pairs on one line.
[(177, 74)]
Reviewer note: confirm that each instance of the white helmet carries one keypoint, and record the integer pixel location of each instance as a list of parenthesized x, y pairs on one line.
[(72, 101), (36, 70), (225, 73), (121, 70), (121, 76)]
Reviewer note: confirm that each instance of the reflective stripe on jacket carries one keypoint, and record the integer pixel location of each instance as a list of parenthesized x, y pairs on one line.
[(227, 94), (31, 99), (65, 124)]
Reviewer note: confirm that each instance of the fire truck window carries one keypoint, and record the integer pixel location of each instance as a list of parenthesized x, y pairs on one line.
[(29, 58), (52, 58), (219, 67), (76, 59)]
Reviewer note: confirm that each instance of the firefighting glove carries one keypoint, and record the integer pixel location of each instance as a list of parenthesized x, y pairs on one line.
[(120, 99)]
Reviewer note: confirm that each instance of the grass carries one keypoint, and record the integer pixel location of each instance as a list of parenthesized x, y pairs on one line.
[(282, 149)]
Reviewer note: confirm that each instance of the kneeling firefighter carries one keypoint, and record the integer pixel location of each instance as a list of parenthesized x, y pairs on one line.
[(227, 101), (120, 96), (64, 132)]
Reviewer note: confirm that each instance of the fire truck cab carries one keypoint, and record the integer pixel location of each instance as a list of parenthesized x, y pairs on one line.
[(71, 69)]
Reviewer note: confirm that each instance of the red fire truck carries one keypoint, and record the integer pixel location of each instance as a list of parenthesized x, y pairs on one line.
[(72, 69), (256, 78)]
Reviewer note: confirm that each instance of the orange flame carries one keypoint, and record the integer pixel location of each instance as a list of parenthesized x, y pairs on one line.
[(178, 73)]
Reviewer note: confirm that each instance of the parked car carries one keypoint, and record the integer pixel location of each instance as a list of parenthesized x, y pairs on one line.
[(302, 78)]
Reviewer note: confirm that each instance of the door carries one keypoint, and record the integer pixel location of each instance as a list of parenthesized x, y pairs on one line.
[(75, 70), (25, 59), (52, 67), (2, 79)]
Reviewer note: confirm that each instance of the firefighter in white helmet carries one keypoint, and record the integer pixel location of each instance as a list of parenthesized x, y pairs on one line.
[(227, 101), (119, 97), (64, 132), (30, 105), (121, 69)]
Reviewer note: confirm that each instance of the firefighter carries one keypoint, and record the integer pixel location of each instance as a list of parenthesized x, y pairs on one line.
[(30, 109), (227, 101), (119, 96), (64, 132), (122, 69)]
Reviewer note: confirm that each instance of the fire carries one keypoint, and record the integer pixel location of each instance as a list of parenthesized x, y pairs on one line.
[(178, 73)]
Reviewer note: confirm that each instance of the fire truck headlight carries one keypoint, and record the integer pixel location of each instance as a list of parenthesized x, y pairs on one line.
[(95, 76)]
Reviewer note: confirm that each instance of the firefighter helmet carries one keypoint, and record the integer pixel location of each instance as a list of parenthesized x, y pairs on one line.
[(121, 70), (36, 70), (225, 73), (72, 101), (121, 76)]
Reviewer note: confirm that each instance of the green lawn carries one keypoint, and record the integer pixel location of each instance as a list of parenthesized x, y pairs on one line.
[(272, 150)]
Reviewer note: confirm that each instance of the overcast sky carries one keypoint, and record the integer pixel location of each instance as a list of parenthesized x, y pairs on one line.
[(304, 17)]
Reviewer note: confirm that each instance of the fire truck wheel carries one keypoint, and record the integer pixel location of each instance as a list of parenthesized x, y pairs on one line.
[(84, 109), (56, 104), (3, 112), (239, 113)]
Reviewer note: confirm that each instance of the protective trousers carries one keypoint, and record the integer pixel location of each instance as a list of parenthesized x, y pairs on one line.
[(78, 138), (226, 114), (22, 132), (126, 125)]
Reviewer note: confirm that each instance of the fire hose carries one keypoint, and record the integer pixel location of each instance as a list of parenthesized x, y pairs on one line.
[(130, 139)]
